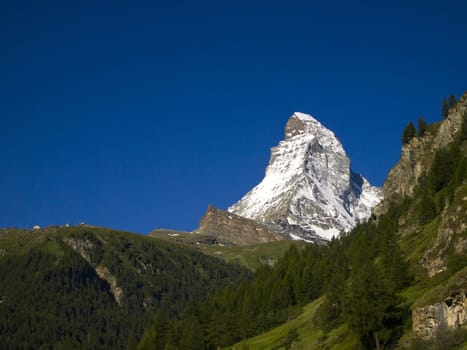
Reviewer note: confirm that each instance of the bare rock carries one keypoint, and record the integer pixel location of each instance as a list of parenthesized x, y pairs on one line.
[(452, 313), (104, 274), (228, 228), (417, 156), (83, 247)]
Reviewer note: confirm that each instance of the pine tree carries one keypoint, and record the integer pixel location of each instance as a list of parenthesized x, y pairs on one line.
[(445, 108), (422, 127), (372, 311), (408, 133), (452, 101), (427, 208)]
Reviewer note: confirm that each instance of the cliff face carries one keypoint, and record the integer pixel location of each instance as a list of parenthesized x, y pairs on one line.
[(431, 176), (417, 156), (231, 229), (451, 313), (403, 177), (444, 234), (451, 237)]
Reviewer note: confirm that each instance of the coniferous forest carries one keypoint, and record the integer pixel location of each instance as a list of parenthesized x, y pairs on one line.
[(52, 296)]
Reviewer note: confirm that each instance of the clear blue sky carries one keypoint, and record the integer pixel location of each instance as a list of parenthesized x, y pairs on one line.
[(138, 114)]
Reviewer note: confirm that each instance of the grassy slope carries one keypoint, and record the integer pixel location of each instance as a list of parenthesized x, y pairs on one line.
[(422, 292), (309, 335), (252, 256)]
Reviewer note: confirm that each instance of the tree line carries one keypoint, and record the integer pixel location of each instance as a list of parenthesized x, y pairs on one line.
[(361, 274), (410, 131)]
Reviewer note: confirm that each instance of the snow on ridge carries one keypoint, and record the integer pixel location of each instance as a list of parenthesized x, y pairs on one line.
[(305, 117), (308, 183)]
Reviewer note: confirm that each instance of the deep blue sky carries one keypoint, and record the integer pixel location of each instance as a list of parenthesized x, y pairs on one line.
[(138, 114)]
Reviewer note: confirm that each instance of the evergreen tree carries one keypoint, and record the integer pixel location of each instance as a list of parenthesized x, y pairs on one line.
[(148, 340), (452, 101), (427, 208), (445, 108), (422, 127), (463, 132), (191, 333), (442, 168), (408, 133), (372, 311), (160, 330), (395, 270)]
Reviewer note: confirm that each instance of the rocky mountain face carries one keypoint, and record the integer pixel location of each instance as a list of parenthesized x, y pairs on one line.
[(417, 159), (309, 191), (450, 313), (227, 229), (417, 155)]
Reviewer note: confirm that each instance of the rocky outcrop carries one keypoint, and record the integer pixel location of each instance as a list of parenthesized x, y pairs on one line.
[(452, 313), (104, 274), (446, 234), (84, 248), (453, 224), (404, 176), (230, 229), (452, 124), (417, 156)]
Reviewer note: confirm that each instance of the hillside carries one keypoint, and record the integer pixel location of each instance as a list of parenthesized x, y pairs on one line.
[(304, 332), (91, 288), (250, 256)]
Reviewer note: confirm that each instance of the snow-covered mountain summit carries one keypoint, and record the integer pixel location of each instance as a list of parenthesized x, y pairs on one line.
[(309, 191)]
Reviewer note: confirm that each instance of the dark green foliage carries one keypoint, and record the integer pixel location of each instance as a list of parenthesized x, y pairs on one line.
[(66, 304), (447, 104), (292, 335), (52, 297), (444, 339), (328, 314), (371, 302), (271, 298), (409, 133), (442, 168), (422, 127), (463, 132), (456, 262), (368, 304), (361, 273), (445, 108), (449, 166), (427, 208), (452, 101)]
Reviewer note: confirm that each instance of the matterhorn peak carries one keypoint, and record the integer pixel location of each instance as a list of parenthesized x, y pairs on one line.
[(309, 191), (300, 123)]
